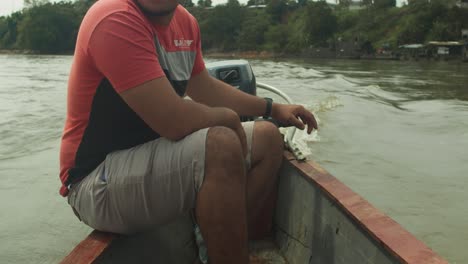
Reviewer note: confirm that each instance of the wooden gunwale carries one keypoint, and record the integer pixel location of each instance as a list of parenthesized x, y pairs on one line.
[(384, 230), (88, 250), (387, 232)]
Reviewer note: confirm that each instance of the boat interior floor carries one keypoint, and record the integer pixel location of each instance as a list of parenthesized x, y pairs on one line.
[(265, 252), (144, 248)]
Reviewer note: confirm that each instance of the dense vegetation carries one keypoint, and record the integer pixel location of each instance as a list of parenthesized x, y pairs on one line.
[(283, 26), (43, 27)]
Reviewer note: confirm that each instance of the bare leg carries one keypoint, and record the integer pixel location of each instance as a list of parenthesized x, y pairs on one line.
[(267, 149), (221, 202)]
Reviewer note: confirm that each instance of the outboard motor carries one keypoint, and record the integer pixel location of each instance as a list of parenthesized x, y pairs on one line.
[(237, 73)]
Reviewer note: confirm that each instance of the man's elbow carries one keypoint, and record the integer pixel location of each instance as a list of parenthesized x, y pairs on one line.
[(176, 136), (173, 133), (175, 124)]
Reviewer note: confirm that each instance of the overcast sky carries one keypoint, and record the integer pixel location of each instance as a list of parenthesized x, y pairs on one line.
[(9, 6)]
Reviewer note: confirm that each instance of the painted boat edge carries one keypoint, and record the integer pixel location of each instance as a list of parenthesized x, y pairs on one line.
[(88, 250), (396, 240)]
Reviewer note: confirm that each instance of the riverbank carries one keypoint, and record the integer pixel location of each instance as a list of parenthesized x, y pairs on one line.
[(323, 54), (242, 54), (13, 51), (31, 52)]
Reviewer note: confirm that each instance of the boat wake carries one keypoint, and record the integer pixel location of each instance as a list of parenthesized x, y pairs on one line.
[(304, 140)]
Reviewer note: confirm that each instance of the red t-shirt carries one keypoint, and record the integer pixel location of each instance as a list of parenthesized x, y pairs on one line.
[(117, 49)]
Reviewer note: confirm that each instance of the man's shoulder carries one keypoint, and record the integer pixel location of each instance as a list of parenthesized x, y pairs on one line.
[(103, 8), (184, 15)]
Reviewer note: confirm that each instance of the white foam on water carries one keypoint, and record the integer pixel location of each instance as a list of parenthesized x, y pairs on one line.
[(329, 103), (301, 138)]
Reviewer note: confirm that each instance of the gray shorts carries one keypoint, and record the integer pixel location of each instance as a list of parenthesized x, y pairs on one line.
[(136, 189)]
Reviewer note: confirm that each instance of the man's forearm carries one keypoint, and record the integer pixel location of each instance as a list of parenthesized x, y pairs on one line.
[(172, 117), (193, 116), (216, 93), (212, 92), (244, 104)]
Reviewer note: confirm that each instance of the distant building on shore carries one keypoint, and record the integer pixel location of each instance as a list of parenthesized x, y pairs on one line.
[(459, 3), (465, 35), (445, 49), (356, 5), (349, 4), (257, 6), (462, 3), (450, 3), (465, 42)]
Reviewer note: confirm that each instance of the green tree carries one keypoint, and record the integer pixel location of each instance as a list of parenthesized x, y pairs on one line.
[(284, 26), (277, 38), (320, 23), (277, 9), (3, 29), (302, 3), (418, 2), (233, 3), (204, 3), (9, 30), (82, 6), (33, 3), (188, 3), (448, 25), (49, 28), (222, 27), (344, 3), (252, 33), (367, 3)]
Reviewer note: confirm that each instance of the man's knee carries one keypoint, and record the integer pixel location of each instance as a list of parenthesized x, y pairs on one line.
[(269, 129), (224, 163), (223, 145), (269, 138)]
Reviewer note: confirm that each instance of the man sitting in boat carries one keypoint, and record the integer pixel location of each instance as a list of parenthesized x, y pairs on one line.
[(135, 154)]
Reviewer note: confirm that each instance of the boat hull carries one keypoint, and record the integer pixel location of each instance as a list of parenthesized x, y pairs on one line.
[(317, 220)]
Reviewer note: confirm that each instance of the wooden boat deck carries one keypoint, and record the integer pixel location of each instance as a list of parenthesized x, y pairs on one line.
[(265, 252)]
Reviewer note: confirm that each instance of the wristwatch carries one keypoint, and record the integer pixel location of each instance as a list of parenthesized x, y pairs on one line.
[(269, 104)]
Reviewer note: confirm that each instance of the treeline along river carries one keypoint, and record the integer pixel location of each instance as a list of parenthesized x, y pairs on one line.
[(396, 133)]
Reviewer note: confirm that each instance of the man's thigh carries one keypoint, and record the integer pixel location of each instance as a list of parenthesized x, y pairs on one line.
[(147, 185)]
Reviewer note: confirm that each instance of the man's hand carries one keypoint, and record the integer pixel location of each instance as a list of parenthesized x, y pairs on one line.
[(294, 115)]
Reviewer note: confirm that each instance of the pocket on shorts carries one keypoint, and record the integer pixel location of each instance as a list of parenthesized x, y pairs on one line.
[(102, 174)]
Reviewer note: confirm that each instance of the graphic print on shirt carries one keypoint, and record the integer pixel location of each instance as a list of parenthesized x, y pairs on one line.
[(177, 65)]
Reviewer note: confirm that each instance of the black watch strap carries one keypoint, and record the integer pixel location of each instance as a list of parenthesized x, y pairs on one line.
[(269, 104)]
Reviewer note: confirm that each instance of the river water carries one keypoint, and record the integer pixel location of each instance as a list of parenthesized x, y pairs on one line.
[(395, 132)]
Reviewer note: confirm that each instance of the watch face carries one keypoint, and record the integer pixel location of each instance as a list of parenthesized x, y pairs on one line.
[(269, 102)]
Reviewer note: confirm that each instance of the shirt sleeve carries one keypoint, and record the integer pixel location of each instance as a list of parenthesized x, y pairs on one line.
[(123, 50), (199, 64)]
